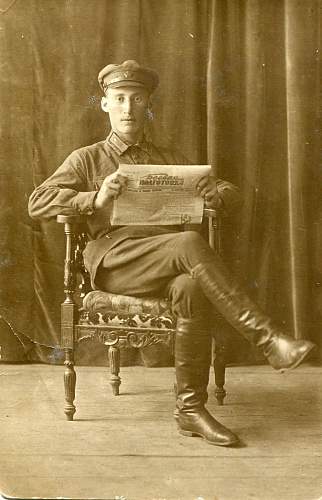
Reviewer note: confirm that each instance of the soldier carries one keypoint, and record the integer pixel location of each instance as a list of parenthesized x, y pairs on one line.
[(153, 260)]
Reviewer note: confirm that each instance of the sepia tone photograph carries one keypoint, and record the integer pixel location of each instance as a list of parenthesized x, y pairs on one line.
[(160, 250)]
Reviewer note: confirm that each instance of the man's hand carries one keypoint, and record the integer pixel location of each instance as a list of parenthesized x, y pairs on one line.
[(207, 188), (110, 189)]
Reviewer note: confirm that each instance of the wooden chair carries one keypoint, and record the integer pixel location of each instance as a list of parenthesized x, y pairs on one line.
[(118, 321)]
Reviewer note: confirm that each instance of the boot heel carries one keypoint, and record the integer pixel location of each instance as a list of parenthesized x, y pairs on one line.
[(186, 433)]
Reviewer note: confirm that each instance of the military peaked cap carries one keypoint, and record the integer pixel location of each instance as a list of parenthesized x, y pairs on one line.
[(129, 73)]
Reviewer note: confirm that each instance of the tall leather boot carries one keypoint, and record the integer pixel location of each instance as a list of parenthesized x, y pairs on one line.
[(192, 361), (282, 351)]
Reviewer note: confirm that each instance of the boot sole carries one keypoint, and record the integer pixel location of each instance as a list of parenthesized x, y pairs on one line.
[(196, 434), (298, 361)]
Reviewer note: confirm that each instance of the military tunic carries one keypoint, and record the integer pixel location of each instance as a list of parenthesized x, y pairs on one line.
[(73, 188)]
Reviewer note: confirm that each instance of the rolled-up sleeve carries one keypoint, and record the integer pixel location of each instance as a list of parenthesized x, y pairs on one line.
[(65, 192)]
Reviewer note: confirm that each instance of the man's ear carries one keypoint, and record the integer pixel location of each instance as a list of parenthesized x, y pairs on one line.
[(104, 104), (149, 110)]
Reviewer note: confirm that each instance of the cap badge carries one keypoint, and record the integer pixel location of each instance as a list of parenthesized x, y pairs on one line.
[(128, 74)]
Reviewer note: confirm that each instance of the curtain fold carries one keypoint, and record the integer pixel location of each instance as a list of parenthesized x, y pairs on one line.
[(239, 88), (301, 50)]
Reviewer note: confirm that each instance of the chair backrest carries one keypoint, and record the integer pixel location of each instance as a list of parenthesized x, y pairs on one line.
[(81, 240)]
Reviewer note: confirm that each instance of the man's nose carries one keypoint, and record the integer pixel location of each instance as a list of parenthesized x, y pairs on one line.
[(127, 105)]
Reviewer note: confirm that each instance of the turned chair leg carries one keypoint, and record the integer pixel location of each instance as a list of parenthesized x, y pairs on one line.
[(70, 384), (114, 360), (219, 369)]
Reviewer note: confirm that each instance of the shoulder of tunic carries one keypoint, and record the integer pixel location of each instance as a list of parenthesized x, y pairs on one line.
[(91, 149)]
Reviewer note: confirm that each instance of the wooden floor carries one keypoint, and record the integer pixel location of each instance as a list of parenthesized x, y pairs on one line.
[(127, 447)]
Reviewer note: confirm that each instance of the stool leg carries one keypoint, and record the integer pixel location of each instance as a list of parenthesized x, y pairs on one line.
[(70, 384), (114, 359), (219, 369)]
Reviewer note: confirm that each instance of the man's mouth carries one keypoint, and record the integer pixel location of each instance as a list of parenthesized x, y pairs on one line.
[(130, 120)]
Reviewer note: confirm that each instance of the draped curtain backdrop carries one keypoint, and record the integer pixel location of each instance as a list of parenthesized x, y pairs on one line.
[(240, 89)]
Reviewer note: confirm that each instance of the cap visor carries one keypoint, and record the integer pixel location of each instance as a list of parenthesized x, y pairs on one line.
[(125, 83)]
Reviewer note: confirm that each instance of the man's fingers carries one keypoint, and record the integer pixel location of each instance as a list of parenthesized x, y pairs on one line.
[(115, 178), (120, 178), (111, 189), (114, 186), (209, 204), (114, 190), (202, 183), (204, 192)]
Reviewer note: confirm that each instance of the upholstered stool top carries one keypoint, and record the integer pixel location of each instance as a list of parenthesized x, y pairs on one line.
[(121, 310)]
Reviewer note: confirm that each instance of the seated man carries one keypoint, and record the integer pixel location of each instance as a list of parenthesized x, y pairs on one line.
[(150, 260)]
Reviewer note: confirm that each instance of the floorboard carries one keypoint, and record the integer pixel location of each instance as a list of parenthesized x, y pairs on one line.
[(128, 446)]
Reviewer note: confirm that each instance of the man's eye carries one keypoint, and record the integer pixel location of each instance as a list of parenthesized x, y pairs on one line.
[(138, 99), (120, 99)]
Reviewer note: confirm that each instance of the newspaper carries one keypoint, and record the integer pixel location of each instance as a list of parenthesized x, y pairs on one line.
[(160, 194)]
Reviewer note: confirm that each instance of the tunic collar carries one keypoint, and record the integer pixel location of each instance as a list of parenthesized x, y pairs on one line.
[(120, 147)]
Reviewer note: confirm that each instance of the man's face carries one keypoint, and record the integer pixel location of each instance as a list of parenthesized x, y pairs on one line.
[(127, 108)]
